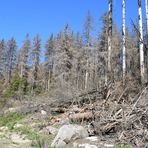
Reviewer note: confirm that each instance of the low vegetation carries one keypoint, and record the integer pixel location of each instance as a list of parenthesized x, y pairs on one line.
[(18, 87), (122, 146), (10, 119)]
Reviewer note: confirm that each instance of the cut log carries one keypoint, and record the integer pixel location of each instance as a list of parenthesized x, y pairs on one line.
[(58, 110), (81, 116)]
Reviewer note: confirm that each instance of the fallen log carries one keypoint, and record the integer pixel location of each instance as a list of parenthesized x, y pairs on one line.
[(80, 117), (58, 110)]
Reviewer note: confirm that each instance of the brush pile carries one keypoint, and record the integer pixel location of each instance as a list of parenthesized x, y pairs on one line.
[(121, 114)]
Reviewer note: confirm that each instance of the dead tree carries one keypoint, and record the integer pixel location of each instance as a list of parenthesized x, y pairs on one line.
[(109, 37), (141, 45), (123, 41)]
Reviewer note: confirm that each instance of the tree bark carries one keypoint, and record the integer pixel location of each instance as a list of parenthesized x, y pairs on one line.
[(146, 7), (123, 42), (141, 46), (86, 76), (109, 38)]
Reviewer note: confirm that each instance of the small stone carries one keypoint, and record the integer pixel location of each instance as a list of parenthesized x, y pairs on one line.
[(87, 146), (52, 130), (93, 138), (4, 128), (18, 125), (43, 112), (108, 145), (16, 138), (64, 121)]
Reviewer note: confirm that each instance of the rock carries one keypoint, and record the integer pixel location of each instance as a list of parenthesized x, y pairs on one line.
[(43, 112), (52, 130), (68, 133), (93, 138), (84, 145), (18, 125), (60, 144), (90, 142), (87, 146), (109, 145), (12, 110), (64, 121), (16, 138), (4, 128)]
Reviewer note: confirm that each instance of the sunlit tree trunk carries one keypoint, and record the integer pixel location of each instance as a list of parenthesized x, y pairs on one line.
[(87, 34), (123, 42), (86, 76), (141, 41), (109, 37), (146, 7)]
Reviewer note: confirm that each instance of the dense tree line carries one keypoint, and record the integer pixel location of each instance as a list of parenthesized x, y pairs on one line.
[(76, 62)]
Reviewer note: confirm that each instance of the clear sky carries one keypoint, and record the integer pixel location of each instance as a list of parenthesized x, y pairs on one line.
[(18, 17)]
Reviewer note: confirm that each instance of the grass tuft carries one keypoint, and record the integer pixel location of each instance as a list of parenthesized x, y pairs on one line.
[(10, 119)]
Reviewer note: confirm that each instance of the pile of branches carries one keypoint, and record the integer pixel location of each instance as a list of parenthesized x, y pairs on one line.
[(121, 114), (124, 115)]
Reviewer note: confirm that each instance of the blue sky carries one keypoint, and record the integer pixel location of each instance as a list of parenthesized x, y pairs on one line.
[(18, 17)]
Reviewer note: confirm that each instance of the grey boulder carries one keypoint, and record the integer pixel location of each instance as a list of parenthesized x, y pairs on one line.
[(68, 133)]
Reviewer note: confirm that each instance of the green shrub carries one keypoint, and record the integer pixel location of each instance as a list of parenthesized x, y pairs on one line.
[(17, 87)]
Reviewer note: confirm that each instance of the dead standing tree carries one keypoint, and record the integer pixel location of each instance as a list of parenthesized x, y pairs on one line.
[(123, 42), (141, 46), (110, 3)]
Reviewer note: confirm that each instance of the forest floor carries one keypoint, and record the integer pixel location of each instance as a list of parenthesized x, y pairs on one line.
[(115, 121)]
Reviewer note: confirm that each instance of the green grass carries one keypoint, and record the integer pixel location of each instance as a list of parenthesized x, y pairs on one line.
[(37, 138), (123, 146), (10, 119), (32, 135)]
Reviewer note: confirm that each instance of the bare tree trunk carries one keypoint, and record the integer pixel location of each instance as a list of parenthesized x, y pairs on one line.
[(109, 38), (123, 41), (141, 41), (21, 70), (86, 76), (48, 85), (146, 7)]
